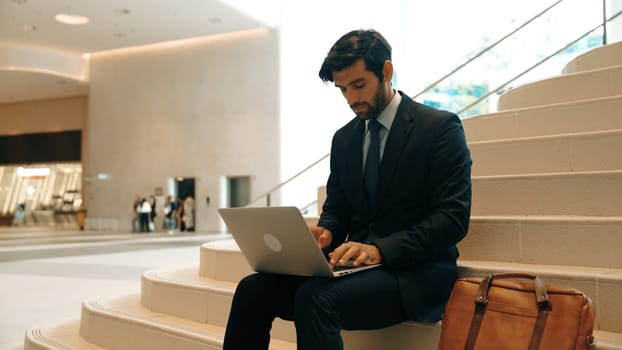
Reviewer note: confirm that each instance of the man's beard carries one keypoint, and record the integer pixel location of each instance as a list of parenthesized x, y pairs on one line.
[(373, 111)]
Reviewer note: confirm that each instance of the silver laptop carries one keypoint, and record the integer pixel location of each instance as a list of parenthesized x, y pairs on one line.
[(278, 240)]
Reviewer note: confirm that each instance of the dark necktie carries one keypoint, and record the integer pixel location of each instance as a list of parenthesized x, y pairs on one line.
[(372, 162)]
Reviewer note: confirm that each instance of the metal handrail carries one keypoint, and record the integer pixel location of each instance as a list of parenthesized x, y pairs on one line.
[(537, 64), (268, 193), (604, 22), (429, 87), (308, 206)]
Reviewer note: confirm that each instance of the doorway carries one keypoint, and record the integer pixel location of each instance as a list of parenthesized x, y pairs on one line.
[(238, 191), (235, 191), (184, 187), (182, 190)]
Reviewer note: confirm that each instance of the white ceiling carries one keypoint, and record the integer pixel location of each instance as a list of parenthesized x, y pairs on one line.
[(33, 43)]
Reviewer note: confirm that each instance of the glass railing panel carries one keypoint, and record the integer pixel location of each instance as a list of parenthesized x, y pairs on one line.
[(554, 65), (544, 36)]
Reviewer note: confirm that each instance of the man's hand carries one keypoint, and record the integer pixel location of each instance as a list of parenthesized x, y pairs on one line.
[(323, 236), (360, 253)]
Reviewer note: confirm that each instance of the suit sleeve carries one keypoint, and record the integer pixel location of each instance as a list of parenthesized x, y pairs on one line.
[(336, 210), (434, 236)]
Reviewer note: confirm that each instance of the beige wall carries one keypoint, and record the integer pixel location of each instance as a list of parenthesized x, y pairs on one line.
[(53, 115), (201, 108)]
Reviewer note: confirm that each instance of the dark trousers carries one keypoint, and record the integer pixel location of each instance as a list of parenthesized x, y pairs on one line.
[(320, 308), (144, 222)]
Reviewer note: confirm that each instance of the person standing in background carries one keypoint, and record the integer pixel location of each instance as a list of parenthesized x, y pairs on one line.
[(189, 213), (170, 213), (152, 214), (144, 212), (181, 221), (135, 219)]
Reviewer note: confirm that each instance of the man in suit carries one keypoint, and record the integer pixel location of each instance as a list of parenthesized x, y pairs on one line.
[(398, 194)]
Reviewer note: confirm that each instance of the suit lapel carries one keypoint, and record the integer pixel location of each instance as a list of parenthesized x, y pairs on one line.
[(396, 141)]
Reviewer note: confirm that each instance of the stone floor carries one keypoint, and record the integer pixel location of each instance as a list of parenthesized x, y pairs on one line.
[(46, 273)]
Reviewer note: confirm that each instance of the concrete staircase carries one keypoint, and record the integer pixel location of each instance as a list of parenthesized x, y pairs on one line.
[(547, 199)]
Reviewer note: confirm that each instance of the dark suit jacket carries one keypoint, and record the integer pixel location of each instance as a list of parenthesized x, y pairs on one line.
[(422, 205)]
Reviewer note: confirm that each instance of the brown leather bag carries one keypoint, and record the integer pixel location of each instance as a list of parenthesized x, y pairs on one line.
[(504, 311)]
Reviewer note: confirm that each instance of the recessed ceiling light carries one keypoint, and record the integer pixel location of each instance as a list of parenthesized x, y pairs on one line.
[(71, 19)]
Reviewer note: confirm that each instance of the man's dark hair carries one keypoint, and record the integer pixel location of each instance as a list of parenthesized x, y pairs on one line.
[(368, 44)]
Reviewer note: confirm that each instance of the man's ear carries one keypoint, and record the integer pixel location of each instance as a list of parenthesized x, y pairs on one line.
[(387, 71)]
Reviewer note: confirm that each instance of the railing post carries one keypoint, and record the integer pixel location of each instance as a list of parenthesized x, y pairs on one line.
[(604, 22), (268, 200)]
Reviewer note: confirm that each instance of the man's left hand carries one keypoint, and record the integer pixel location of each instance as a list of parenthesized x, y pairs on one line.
[(360, 253)]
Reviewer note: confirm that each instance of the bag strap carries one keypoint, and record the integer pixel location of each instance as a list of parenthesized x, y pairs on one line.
[(542, 300)]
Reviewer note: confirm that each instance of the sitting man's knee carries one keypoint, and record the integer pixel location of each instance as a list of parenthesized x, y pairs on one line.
[(312, 300)]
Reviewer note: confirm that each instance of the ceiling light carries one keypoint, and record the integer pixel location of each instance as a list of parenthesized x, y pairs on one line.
[(71, 19)]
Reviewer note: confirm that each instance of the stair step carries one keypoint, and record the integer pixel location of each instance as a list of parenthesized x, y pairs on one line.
[(221, 260), (57, 334), (599, 57), (577, 240), (608, 340), (144, 329), (526, 239), (215, 309), (603, 285), (590, 151), (66, 336), (519, 239), (402, 336), (598, 114), (584, 193), (182, 292), (577, 193), (564, 88), (137, 328)]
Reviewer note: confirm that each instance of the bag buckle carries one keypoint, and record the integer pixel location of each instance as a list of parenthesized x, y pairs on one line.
[(481, 300), (544, 303)]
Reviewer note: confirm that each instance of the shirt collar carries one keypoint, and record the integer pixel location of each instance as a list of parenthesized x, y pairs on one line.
[(387, 116)]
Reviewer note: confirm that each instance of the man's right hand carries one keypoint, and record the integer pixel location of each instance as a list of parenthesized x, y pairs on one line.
[(323, 236)]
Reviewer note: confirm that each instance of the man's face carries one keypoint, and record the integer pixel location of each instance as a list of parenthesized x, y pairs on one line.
[(363, 91)]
